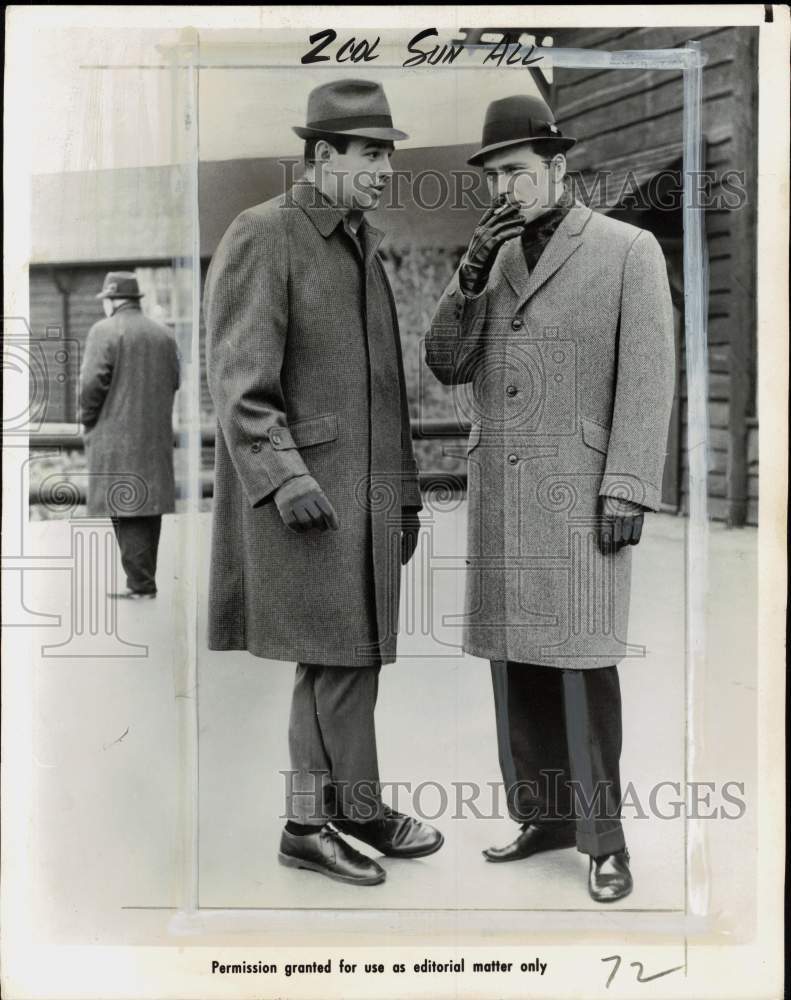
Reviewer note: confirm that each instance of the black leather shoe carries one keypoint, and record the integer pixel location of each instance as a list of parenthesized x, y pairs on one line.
[(395, 835), (609, 877), (327, 853), (533, 839)]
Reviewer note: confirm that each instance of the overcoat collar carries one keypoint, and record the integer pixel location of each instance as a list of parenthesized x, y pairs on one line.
[(326, 217), (124, 306), (564, 241)]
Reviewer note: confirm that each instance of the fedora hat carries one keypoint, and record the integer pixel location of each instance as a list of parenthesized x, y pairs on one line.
[(355, 108), (120, 285), (518, 119)]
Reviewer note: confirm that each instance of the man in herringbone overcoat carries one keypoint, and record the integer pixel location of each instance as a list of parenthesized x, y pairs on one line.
[(316, 486), (560, 318)]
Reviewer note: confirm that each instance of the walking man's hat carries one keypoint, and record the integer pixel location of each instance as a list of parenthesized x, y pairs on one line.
[(357, 108), (120, 285), (518, 119)]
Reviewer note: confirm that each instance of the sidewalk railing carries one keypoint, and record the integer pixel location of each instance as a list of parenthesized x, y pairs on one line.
[(63, 438)]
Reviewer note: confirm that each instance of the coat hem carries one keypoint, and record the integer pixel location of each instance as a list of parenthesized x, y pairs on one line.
[(291, 654), (557, 663)]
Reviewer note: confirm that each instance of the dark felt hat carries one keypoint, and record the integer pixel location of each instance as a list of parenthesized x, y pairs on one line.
[(355, 108), (120, 285), (518, 119)]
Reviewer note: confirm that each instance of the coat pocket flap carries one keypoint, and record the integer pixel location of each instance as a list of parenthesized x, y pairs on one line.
[(314, 430), (595, 435), (474, 438)]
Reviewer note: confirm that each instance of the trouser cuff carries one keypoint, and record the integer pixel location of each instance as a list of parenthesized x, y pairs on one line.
[(597, 844)]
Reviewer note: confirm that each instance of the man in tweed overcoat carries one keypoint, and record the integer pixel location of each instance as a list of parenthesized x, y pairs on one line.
[(560, 319), (128, 380), (316, 486)]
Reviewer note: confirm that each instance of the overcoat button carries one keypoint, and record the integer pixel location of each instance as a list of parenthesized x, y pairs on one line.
[(256, 446), (513, 459), (511, 390), (516, 324)]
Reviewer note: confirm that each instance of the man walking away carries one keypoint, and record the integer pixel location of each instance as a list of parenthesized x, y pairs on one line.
[(128, 379)]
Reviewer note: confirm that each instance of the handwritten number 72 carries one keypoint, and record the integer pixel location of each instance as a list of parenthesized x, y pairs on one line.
[(640, 968)]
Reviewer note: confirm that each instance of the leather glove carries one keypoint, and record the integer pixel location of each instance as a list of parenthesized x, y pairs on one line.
[(627, 522), (303, 506), (410, 530), (499, 223)]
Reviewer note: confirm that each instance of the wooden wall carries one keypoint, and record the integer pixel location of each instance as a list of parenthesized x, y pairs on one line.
[(63, 307), (618, 114), (51, 334)]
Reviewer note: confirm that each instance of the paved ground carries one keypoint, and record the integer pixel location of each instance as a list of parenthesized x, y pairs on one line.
[(106, 752)]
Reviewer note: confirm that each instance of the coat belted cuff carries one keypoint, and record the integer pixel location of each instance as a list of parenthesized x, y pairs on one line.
[(263, 469), (628, 487)]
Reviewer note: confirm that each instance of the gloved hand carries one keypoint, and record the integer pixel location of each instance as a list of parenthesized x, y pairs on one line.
[(303, 506), (626, 517), (410, 530), (499, 223)]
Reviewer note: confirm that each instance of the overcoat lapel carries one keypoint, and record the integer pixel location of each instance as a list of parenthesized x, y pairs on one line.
[(567, 238), (371, 238), (514, 266)]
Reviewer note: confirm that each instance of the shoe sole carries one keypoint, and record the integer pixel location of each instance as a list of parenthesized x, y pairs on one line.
[(290, 862), (611, 899), (524, 857)]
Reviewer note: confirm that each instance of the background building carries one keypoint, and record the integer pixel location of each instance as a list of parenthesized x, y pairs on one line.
[(630, 121)]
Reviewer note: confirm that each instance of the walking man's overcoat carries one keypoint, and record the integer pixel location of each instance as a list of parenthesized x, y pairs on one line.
[(128, 378), (572, 373), (305, 369)]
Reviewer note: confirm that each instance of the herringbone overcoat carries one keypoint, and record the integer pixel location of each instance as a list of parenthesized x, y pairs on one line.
[(572, 376), (305, 370), (128, 379)]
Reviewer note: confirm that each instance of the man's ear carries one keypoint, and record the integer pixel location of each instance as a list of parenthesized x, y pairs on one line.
[(323, 151), (559, 166)]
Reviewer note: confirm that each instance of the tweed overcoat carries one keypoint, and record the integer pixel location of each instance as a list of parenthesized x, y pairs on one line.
[(572, 369), (128, 379), (305, 370)]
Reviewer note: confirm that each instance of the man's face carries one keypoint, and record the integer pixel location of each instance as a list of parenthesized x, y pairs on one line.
[(519, 173), (359, 175), (107, 305)]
